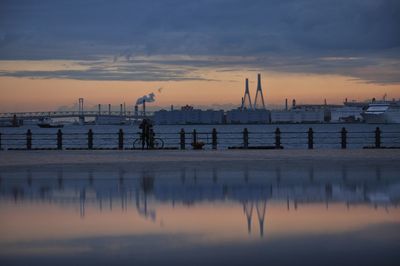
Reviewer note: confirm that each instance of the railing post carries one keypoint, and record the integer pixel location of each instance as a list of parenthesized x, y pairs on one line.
[(182, 139), (245, 138), (278, 138), (59, 139), (120, 139), (377, 137), (194, 136), (343, 134), (310, 134), (214, 139), (151, 138), (29, 140), (90, 139)]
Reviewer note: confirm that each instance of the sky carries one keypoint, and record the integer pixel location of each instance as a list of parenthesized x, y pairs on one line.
[(199, 52)]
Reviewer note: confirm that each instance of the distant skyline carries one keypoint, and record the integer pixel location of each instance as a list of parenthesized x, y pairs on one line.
[(199, 52)]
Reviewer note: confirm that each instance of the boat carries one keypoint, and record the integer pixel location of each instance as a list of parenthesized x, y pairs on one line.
[(346, 114), (48, 123), (382, 112)]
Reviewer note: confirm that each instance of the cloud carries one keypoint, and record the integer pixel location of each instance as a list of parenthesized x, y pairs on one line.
[(293, 36), (103, 70), (379, 70)]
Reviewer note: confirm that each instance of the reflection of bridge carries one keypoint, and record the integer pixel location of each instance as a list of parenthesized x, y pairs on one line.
[(261, 207)]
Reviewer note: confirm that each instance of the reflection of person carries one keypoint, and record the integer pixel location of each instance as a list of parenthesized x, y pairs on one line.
[(147, 135)]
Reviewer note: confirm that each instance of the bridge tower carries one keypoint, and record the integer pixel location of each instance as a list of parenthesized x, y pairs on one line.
[(259, 93), (81, 114), (246, 96)]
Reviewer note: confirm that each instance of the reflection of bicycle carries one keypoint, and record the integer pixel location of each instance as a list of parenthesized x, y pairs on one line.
[(157, 144)]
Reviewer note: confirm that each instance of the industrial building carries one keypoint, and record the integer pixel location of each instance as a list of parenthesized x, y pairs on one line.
[(110, 120), (297, 115), (188, 115), (248, 116), (301, 114)]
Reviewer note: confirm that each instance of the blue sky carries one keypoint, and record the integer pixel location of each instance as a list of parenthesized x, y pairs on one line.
[(134, 40)]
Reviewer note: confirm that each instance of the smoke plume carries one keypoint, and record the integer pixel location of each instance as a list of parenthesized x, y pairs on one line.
[(151, 97)]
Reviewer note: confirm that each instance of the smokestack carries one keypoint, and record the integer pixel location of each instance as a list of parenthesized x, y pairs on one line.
[(286, 104), (124, 109), (80, 106), (294, 103), (109, 109), (136, 111), (144, 107), (120, 109), (325, 102), (172, 107), (99, 109)]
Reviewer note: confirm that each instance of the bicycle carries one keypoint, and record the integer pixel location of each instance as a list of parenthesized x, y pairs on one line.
[(157, 144)]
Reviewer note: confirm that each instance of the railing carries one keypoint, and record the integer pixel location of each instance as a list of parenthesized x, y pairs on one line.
[(198, 140)]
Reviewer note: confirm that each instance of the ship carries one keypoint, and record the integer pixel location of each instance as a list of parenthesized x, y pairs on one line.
[(48, 123), (382, 112)]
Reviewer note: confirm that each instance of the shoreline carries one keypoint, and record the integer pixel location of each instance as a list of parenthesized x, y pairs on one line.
[(82, 157)]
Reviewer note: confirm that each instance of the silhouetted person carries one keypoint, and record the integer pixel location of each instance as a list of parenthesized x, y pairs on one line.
[(147, 135)]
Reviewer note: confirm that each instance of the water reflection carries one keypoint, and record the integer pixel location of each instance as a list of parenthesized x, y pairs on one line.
[(127, 186), (220, 202)]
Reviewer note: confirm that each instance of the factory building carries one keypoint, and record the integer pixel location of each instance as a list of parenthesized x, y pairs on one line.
[(248, 116), (110, 120), (301, 114), (188, 115), (298, 115)]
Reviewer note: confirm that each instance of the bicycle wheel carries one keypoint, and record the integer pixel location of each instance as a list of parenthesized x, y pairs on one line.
[(137, 144), (158, 143)]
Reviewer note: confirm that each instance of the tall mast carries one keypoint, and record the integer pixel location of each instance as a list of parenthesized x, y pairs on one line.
[(259, 93), (246, 102)]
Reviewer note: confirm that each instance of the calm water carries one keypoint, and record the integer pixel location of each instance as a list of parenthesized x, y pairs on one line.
[(255, 213), (293, 135)]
